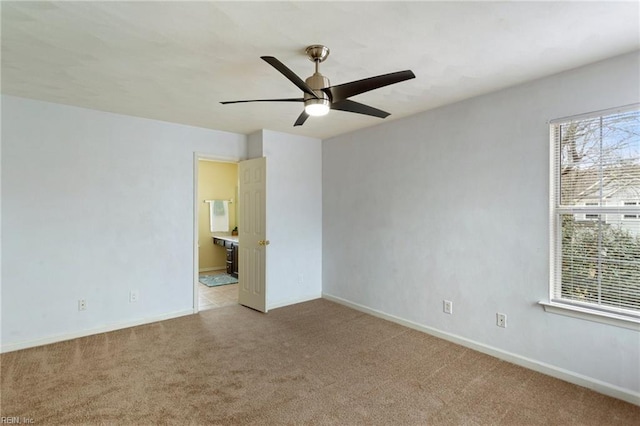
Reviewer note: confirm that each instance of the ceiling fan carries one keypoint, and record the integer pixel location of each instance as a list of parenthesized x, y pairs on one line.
[(319, 96)]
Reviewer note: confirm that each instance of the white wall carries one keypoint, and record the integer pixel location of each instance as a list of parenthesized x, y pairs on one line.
[(453, 204), (294, 215), (254, 144), (95, 205)]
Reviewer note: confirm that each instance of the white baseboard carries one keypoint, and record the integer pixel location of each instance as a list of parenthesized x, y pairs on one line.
[(83, 333), (283, 303), (541, 367), (215, 268)]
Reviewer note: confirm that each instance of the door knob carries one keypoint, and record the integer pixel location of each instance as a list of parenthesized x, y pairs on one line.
[(263, 242)]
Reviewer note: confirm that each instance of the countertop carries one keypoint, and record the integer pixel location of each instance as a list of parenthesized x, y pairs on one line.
[(232, 238)]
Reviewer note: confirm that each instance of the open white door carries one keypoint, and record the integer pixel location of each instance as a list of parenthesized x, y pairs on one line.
[(251, 226)]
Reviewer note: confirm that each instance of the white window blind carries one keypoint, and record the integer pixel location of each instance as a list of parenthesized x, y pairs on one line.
[(595, 205)]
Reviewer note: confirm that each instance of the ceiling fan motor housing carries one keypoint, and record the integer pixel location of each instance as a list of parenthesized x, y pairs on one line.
[(317, 82)]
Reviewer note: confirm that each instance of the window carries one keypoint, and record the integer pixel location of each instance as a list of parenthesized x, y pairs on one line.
[(590, 216), (595, 178), (627, 216)]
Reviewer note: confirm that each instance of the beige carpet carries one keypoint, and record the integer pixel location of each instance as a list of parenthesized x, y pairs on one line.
[(312, 363)]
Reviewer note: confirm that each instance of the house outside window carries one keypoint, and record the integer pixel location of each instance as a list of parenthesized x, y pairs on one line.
[(595, 232), (590, 216), (628, 216)]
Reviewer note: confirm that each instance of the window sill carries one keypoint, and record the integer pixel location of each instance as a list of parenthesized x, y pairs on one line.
[(592, 315)]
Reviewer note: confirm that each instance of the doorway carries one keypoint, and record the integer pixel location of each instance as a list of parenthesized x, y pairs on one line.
[(216, 211)]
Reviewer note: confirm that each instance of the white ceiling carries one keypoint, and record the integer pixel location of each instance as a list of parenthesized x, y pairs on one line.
[(175, 61)]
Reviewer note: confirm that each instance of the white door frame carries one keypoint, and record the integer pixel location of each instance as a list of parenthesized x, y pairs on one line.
[(197, 156)]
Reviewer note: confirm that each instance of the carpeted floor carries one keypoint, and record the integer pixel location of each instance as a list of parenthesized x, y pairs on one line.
[(312, 363)]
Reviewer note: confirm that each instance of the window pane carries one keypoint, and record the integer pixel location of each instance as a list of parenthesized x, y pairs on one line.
[(600, 263), (599, 159)]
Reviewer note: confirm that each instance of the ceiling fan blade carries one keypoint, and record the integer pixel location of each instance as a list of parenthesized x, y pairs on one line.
[(346, 90), (352, 106), (301, 119), (264, 100), (289, 74)]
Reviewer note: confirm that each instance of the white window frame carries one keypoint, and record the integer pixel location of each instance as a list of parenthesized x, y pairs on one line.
[(587, 311)]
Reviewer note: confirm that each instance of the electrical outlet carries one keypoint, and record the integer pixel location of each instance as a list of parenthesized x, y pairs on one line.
[(300, 278), (82, 305), (447, 306), (133, 296), (501, 320)]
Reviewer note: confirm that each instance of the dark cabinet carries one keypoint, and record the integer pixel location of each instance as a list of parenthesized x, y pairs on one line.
[(235, 260), (231, 249), (228, 245)]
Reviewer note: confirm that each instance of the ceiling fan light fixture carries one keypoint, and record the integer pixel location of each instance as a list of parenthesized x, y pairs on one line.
[(316, 107)]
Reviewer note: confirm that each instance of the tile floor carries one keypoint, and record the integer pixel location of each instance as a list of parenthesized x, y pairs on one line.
[(216, 297)]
